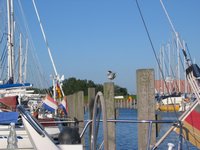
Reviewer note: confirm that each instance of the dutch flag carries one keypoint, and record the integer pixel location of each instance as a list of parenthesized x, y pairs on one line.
[(50, 104), (63, 105)]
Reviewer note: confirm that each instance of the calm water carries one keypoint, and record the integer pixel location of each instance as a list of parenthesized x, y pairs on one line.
[(126, 133)]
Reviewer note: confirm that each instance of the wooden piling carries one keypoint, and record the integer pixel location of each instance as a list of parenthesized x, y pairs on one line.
[(110, 108), (80, 105), (76, 108), (80, 110), (91, 98), (70, 105), (146, 106)]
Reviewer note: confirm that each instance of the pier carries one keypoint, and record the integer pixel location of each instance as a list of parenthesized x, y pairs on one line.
[(125, 103)]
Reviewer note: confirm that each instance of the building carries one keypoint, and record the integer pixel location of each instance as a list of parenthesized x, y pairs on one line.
[(172, 86)]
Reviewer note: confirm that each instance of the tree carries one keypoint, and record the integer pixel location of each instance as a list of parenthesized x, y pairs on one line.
[(73, 85), (120, 91)]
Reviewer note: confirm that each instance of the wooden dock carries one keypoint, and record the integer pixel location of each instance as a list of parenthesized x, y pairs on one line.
[(125, 103)]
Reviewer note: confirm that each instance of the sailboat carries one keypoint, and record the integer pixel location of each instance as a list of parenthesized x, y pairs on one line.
[(15, 84), (11, 90), (172, 91), (12, 87), (189, 124), (11, 95), (35, 137)]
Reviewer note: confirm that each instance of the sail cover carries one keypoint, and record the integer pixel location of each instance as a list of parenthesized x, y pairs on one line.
[(10, 101), (16, 85), (8, 117)]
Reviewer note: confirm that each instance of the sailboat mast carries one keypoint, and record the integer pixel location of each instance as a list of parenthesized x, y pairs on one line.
[(12, 39), (164, 72), (20, 58), (185, 77), (45, 39), (178, 67), (9, 40), (49, 51), (25, 61), (160, 77), (169, 57), (10, 43)]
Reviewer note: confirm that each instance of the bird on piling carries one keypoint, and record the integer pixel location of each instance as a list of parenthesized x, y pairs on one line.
[(111, 75)]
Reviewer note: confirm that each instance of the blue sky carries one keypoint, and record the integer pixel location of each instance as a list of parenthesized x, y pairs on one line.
[(89, 37)]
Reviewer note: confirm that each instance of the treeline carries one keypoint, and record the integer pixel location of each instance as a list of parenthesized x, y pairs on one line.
[(72, 85)]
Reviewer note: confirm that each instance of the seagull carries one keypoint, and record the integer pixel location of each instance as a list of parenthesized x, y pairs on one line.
[(111, 75)]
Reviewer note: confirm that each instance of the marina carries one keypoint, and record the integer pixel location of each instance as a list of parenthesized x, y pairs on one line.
[(75, 114)]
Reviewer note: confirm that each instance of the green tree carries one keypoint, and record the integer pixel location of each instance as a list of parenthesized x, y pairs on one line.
[(72, 85), (120, 91)]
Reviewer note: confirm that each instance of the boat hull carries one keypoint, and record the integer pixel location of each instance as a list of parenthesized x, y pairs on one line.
[(169, 107)]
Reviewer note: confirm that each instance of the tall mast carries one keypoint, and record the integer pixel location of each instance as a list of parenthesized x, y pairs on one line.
[(25, 61), (45, 39), (163, 63), (57, 78), (12, 39), (170, 77), (185, 67), (10, 43), (160, 77), (9, 40), (20, 58), (178, 67)]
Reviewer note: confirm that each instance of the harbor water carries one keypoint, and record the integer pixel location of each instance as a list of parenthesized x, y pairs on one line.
[(127, 133)]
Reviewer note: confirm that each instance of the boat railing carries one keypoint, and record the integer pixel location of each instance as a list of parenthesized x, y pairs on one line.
[(150, 123), (33, 122)]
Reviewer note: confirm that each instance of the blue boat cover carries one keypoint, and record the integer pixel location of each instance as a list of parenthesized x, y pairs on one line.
[(16, 85), (8, 117)]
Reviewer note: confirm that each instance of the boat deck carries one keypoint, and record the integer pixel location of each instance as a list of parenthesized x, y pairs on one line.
[(22, 137)]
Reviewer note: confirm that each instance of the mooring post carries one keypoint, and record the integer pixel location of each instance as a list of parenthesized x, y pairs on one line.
[(71, 107), (146, 106), (91, 98), (76, 108), (110, 108), (80, 110)]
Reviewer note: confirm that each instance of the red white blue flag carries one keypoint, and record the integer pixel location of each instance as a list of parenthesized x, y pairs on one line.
[(50, 104), (63, 105)]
